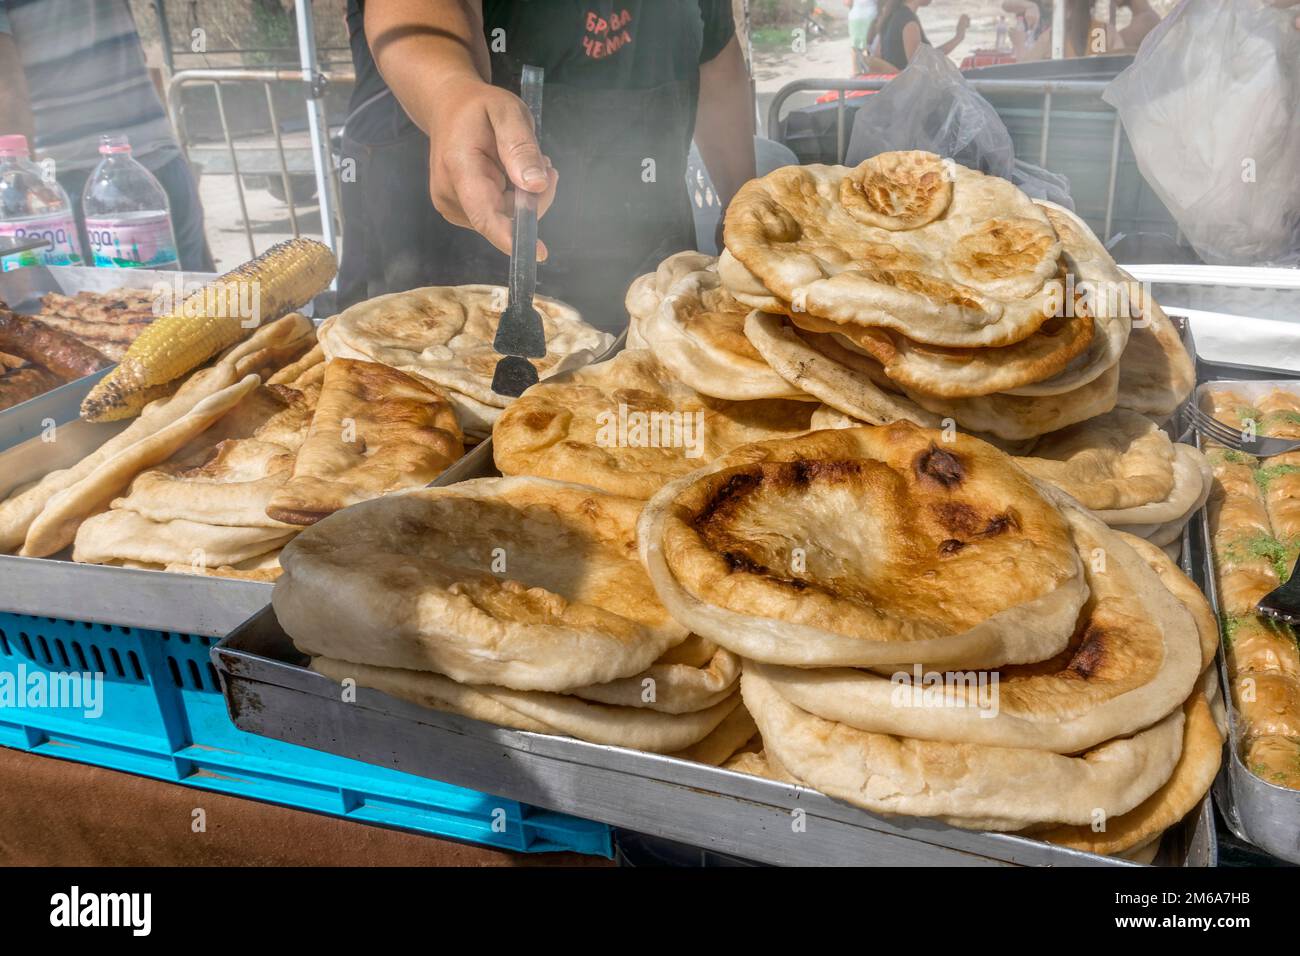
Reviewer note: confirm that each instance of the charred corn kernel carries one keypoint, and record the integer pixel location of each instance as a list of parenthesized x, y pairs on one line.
[(282, 279)]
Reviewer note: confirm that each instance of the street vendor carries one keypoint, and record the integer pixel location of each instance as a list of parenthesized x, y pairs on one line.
[(439, 139)]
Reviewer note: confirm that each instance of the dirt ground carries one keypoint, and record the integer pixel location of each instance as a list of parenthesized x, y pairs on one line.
[(830, 57)]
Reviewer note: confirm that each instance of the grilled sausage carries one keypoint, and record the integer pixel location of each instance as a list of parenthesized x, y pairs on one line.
[(59, 352), (20, 384)]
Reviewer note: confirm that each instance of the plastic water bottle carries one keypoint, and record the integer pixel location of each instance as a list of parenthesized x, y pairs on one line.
[(128, 219), (32, 204), (1003, 42)]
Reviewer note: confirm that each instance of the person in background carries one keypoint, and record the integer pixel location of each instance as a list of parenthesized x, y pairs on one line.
[(444, 141), (1032, 21), (1085, 33), (74, 70), (862, 14), (1143, 21), (901, 32)]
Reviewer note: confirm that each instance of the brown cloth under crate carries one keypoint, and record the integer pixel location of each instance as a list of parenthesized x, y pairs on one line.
[(59, 813)]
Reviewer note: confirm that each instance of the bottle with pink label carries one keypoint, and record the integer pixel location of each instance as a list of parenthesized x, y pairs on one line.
[(33, 204), (128, 220)]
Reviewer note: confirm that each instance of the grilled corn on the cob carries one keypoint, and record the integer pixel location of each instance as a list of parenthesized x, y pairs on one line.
[(282, 279)]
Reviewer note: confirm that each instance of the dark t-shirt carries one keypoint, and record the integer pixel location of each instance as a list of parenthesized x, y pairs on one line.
[(891, 35), (598, 45)]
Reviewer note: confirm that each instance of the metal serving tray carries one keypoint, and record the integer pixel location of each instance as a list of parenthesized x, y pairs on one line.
[(270, 691), (21, 290), (1255, 810), (131, 597)]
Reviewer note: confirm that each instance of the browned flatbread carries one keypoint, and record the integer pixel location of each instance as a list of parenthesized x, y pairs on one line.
[(1191, 778), (375, 430)]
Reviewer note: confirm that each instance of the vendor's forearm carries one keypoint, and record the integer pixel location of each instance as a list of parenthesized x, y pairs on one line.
[(724, 127), (425, 47)]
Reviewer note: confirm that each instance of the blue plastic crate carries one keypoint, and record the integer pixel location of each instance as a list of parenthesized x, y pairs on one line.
[(162, 715)]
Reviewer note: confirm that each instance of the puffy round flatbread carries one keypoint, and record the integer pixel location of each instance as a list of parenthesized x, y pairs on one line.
[(1117, 460), (1191, 478), (1016, 417), (647, 291), (966, 372), (521, 583), (1155, 372), (698, 333), (1134, 657), (1197, 765), (628, 425), (445, 333), (1185, 590), (1100, 289), (540, 712), (694, 675), (906, 241), (969, 785), (840, 378), (126, 535), (866, 547)]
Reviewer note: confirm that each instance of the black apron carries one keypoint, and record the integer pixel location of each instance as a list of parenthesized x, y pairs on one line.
[(621, 206)]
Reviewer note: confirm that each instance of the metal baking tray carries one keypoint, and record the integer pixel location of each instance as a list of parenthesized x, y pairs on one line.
[(270, 691), (1255, 810), (22, 289), (131, 597)]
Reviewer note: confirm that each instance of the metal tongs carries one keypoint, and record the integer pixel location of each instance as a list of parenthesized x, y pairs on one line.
[(520, 335)]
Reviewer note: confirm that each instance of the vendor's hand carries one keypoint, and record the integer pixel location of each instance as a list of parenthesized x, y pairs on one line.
[(963, 23), (482, 146)]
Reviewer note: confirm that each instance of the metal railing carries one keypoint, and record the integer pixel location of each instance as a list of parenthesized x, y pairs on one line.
[(218, 78), (1044, 88)]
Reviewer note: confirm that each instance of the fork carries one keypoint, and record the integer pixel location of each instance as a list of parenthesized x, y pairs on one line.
[(1283, 602), (1233, 438)]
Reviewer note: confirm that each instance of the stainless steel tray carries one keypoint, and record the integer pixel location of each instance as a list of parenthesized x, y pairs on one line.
[(269, 691), (21, 290), (156, 600), (1255, 810)]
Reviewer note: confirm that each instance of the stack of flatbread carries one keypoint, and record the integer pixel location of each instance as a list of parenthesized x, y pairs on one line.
[(630, 424), (1124, 468), (218, 477), (927, 630), (910, 288), (43, 519), (519, 601), (445, 334), (337, 433)]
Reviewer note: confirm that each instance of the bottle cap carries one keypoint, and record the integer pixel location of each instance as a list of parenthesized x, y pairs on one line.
[(113, 144), (14, 144)]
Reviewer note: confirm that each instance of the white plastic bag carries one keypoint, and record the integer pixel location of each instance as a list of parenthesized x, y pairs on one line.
[(930, 106), (1211, 105)]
